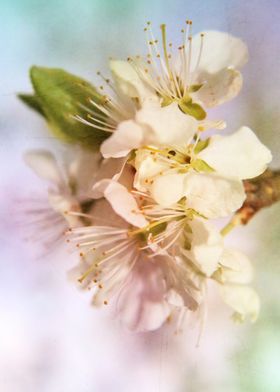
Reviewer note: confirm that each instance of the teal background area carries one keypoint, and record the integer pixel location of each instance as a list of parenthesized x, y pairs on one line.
[(50, 339)]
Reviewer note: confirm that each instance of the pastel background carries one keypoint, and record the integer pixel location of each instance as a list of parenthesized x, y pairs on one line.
[(50, 338)]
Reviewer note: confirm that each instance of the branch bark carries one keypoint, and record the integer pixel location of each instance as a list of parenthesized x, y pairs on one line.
[(261, 192)]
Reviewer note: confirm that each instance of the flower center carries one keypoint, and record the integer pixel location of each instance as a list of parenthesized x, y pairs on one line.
[(171, 79)]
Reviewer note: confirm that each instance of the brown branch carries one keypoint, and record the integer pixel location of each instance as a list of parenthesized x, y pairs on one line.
[(262, 191)]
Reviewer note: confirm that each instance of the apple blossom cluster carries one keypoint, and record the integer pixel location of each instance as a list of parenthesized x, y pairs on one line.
[(142, 210)]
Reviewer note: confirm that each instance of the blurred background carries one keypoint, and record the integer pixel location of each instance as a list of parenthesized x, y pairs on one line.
[(51, 340)]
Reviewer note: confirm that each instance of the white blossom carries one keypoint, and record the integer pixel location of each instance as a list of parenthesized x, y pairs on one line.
[(140, 211), (69, 184), (208, 173)]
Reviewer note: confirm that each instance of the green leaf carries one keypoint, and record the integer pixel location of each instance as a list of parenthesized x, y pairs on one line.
[(192, 109), (201, 166), (201, 145), (32, 101), (61, 96)]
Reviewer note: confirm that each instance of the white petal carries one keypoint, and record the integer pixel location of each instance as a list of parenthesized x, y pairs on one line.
[(64, 205), (213, 196), (110, 168), (244, 300), (81, 168), (113, 284), (239, 155), (168, 189), (142, 305), (173, 298), (206, 246), (166, 125), (122, 202), (237, 268), (181, 289), (103, 214), (219, 87), (212, 124), (148, 316), (44, 164), (128, 80), (146, 168), (220, 50), (125, 138)]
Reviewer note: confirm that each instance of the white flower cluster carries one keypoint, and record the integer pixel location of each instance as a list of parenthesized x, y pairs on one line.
[(140, 213)]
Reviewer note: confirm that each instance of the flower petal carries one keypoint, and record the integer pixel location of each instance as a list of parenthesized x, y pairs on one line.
[(81, 168), (236, 267), (44, 164), (243, 299), (168, 189), (218, 88), (128, 81), (142, 305), (122, 201), (206, 246), (240, 155), (220, 50), (125, 138), (146, 168), (110, 168), (211, 195), (64, 205), (166, 125)]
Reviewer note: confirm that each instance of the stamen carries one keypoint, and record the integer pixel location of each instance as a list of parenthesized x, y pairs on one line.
[(163, 33), (200, 52)]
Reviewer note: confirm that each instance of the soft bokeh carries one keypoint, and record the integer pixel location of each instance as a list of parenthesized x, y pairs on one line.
[(51, 340)]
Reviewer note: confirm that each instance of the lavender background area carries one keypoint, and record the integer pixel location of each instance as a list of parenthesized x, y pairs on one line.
[(50, 339)]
